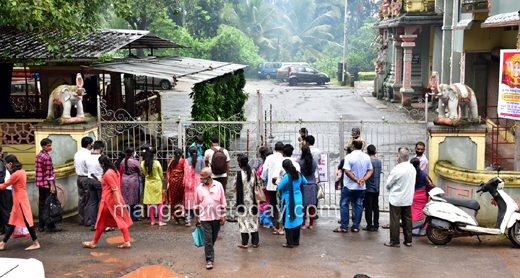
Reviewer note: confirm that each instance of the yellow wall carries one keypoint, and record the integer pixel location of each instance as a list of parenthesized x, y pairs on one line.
[(479, 39), (24, 153)]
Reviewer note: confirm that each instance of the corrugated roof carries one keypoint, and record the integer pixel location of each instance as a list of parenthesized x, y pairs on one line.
[(181, 68), (22, 45)]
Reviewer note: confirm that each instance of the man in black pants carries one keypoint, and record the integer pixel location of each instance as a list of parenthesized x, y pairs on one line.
[(6, 197), (372, 192), (45, 178), (268, 173), (94, 187)]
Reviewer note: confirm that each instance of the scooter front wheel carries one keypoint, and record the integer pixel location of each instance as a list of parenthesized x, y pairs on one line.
[(438, 236), (514, 234)]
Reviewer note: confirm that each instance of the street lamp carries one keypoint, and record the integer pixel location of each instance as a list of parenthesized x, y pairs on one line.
[(344, 45)]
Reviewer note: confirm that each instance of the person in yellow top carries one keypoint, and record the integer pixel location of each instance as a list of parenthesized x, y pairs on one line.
[(355, 136), (153, 190)]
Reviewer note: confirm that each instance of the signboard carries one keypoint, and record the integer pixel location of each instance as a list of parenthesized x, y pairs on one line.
[(323, 168), (416, 59), (509, 88)]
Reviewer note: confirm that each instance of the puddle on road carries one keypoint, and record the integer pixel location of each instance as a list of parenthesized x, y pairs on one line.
[(153, 271), (98, 254), (117, 240)]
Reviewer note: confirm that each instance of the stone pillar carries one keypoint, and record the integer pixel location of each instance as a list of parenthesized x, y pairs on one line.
[(406, 90), (398, 61)]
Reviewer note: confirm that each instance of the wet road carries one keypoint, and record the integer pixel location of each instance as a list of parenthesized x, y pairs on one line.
[(308, 101), (322, 253)]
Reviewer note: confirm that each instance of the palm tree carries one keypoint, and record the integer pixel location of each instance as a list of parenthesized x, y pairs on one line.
[(309, 31), (256, 19)]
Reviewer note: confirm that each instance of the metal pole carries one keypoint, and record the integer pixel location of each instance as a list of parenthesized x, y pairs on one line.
[(259, 118), (341, 138), (426, 124), (344, 43), (517, 148), (99, 115), (179, 133), (26, 92)]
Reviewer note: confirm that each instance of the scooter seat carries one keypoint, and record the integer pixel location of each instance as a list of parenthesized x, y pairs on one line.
[(472, 204)]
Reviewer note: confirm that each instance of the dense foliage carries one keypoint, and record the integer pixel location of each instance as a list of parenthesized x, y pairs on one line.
[(224, 98)]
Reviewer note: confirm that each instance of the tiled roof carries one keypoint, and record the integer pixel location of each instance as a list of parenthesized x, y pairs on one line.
[(505, 19), (17, 45)]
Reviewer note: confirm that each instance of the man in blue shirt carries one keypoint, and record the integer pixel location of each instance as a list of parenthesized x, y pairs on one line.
[(358, 169), (198, 144), (372, 192)]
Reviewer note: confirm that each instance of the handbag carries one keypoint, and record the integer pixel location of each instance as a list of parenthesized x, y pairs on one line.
[(259, 194), (339, 176), (198, 236), (52, 212), (20, 232), (429, 183)]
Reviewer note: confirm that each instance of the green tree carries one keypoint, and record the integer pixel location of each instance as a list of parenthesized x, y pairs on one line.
[(202, 17), (309, 32), (256, 19)]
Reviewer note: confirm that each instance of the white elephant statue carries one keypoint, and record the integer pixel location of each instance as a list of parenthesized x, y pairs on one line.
[(67, 96), (452, 97)]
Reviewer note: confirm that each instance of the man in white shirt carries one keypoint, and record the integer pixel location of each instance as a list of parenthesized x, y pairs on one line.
[(220, 172), (420, 148), (94, 187), (267, 173), (316, 153), (401, 187), (279, 171), (81, 170), (358, 169)]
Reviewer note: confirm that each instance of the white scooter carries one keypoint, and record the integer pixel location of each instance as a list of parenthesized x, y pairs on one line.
[(449, 217)]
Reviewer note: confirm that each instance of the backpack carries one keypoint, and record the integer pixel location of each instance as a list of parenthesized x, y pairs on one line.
[(52, 212), (218, 161)]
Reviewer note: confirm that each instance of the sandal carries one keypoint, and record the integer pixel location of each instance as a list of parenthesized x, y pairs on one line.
[(187, 225), (407, 244), (277, 233), (386, 226), (124, 246), (30, 248), (162, 224), (286, 246), (388, 244), (209, 265), (107, 229), (256, 246), (89, 244), (303, 227), (242, 246), (311, 227), (340, 230), (354, 230)]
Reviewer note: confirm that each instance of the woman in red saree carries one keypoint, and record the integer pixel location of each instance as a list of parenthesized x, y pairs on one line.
[(112, 209), (420, 199), (192, 169), (175, 187)]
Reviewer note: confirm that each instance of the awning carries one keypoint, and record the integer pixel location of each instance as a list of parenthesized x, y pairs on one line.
[(499, 20), (180, 68), (465, 24)]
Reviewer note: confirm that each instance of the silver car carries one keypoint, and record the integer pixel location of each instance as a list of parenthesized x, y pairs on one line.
[(283, 72), (163, 83)]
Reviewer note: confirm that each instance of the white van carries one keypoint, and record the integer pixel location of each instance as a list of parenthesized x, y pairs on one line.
[(283, 72)]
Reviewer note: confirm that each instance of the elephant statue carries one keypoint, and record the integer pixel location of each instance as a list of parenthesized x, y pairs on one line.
[(452, 97), (67, 96)]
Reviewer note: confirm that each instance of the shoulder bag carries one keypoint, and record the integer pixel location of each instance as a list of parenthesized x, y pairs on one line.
[(429, 183), (321, 191), (259, 193)]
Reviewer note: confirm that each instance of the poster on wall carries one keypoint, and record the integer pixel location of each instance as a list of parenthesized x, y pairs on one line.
[(509, 88), (323, 168)]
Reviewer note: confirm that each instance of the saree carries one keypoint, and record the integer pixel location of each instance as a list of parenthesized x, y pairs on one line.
[(175, 192), (191, 181), (420, 199)]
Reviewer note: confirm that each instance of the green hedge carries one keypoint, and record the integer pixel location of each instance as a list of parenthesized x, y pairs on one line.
[(367, 75)]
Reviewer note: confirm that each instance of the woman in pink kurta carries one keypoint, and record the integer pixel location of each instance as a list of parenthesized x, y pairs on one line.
[(21, 214), (112, 209), (192, 168)]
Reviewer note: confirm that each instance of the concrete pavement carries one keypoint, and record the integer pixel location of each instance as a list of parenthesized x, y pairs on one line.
[(322, 253)]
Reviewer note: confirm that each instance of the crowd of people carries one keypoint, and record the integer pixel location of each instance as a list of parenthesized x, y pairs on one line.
[(110, 193)]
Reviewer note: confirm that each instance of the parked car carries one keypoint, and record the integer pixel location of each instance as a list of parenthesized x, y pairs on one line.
[(163, 83), (306, 74), (18, 87), (268, 70), (281, 73)]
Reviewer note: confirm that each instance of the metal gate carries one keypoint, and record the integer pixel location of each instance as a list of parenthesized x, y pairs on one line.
[(119, 131)]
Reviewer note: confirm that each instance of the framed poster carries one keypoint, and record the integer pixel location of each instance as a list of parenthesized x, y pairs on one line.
[(509, 88)]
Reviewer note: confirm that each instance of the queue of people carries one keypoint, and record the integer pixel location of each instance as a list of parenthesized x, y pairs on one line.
[(110, 192)]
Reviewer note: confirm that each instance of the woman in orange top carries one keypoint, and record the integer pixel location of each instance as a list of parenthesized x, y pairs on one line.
[(21, 214), (112, 209)]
